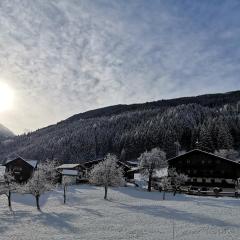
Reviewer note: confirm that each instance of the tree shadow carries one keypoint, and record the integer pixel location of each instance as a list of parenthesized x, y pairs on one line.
[(179, 215), (93, 212), (59, 221)]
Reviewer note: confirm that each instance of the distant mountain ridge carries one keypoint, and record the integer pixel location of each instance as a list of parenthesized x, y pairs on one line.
[(5, 132), (127, 130), (209, 100)]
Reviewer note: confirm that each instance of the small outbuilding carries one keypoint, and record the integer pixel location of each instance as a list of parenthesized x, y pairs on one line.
[(21, 168), (74, 170)]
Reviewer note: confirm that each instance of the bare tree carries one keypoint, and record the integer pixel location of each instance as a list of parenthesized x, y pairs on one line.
[(152, 161), (66, 181), (43, 180), (165, 185), (107, 174)]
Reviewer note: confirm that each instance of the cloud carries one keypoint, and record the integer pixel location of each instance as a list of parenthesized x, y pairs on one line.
[(64, 57)]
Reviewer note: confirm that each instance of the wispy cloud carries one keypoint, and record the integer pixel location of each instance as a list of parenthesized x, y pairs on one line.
[(63, 57)]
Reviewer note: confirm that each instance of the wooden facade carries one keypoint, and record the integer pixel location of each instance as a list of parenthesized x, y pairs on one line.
[(206, 169), (21, 168)]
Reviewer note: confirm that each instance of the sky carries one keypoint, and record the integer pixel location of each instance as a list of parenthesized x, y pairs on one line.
[(63, 57)]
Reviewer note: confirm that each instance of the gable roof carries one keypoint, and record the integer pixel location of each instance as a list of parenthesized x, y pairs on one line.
[(32, 163), (203, 152)]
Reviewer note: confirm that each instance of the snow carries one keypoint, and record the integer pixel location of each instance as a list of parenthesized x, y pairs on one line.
[(161, 173), (129, 213), (68, 166), (33, 163), (69, 172), (2, 171)]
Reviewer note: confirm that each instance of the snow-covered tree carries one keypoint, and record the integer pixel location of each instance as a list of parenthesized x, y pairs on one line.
[(227, 153), (66, 181), (107, 174), (42, 180), (8, 186), (177, 179), (150, 161)]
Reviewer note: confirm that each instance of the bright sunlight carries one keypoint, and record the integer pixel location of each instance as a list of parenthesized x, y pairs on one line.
[(6, 97)]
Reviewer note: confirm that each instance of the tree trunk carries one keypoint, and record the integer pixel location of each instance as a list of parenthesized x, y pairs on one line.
[(9, 200), (64, 194), (150, 182), (175, 192), (37, 202), (106, 190), (163, 194)]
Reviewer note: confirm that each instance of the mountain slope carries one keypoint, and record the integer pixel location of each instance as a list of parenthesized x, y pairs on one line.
[(209, 100), (5, 132), (128, 130)]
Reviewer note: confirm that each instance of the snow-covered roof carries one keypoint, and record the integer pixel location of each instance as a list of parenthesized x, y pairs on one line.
[(68, 166), (133, 162), (201, 151), (33, 163), (69, 172)]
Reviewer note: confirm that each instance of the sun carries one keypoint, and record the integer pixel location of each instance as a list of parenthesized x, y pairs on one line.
[(6, 97)]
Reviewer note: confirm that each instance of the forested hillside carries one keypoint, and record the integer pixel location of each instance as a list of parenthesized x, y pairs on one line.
[(210, 121)]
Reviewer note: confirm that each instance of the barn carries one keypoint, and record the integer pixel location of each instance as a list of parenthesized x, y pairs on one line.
[(206, 169), (21, 168)]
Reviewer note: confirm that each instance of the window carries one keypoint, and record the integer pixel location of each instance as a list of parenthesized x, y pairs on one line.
[(203, 161), (188, 161), (195, 171)]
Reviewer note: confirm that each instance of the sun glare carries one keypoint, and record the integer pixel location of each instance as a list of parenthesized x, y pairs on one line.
[(6, 97)]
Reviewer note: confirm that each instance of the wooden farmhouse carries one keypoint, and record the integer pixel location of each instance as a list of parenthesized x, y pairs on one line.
[(21, 168), (206, 169)]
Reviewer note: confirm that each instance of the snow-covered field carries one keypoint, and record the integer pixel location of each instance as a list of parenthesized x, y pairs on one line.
[(129, 214)]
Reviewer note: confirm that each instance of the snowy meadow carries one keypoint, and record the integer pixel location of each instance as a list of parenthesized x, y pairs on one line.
[(129, 213)]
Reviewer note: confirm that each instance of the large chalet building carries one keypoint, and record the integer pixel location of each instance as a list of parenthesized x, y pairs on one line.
[(206, 169)]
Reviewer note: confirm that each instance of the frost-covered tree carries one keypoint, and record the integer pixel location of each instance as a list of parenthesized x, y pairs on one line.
[(177, 179), (227, 153), (205, 139), (66, 181), (8, 186), (150, 161), (42, 180), (107, 174)]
